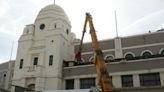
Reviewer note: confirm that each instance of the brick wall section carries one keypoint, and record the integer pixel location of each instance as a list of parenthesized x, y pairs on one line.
[(104, 44), (86, 57), (138, 51), (149, 38), (4, 66), (144, 64)]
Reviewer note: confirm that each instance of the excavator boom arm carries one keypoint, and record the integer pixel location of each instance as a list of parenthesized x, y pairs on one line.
[(101, 69)]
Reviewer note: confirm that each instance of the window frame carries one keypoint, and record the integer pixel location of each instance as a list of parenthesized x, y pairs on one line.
[(67, 31), (147, 79), (91, 58), (67, 85), (35, 61), (129, 58), (161, 52), (146, 51), (42, 26), (87, 83), (127, 80), (109, 56), (21, 63), (51, 58)]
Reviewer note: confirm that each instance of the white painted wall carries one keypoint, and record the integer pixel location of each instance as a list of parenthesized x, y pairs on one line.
[(136, 80), (35, 42), (118, 48), (162, 78)]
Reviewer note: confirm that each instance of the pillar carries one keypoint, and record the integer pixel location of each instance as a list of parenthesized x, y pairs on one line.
[(162, 78), (116, 79), (118, 48), (136, 80), (77, 83)]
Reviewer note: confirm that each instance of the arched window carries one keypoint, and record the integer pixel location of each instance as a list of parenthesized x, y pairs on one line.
[(4, 78), (162, 52), (129, 56), (31, 86), (91, 59), (146, 54), (4, 75), (109, 58), (82, 60)]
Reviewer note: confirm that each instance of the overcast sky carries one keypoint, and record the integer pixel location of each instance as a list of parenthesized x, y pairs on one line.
[(134, 17)]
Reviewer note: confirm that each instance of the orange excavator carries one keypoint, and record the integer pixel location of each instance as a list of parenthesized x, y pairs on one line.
[(104, 81)]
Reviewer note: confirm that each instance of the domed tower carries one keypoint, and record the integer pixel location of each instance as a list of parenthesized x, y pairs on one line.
[(42, 48)]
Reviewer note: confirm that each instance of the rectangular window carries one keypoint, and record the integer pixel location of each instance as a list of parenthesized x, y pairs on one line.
[(21, 64), (70, 84), (87, 83), (150, 79), (127, 80), (35, 62), (50, 60)]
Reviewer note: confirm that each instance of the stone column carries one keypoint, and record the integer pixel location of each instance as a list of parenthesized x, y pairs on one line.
[(116, 79), (96, 81), (118, 48), (136, 80), (77, 83), (29, 60), (12, 89), (41, 58), (64, 84), (162, 78)]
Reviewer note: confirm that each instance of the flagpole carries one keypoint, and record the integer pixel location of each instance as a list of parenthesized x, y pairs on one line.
[(11, 50), (116, 23), (10, 63)]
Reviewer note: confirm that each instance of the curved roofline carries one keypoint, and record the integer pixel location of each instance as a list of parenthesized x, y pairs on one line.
[(50, 10)]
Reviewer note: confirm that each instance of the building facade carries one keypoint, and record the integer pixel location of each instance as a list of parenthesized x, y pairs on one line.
[(42, 48), (45, 58), (135, 64), (6, 74)]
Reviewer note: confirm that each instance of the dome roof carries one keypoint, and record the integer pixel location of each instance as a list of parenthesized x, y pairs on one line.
[(52, 11)]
